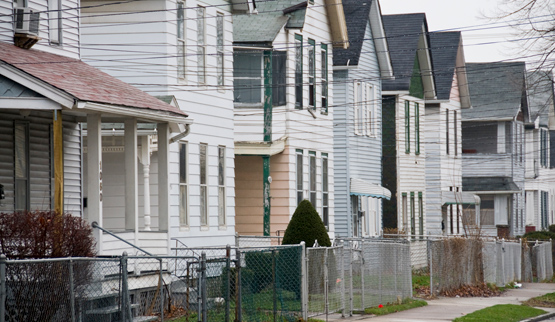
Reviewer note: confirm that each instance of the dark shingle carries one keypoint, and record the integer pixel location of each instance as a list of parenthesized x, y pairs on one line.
[(496, 90), (403, 32), (489, 184), (357, 13), (444, 47)]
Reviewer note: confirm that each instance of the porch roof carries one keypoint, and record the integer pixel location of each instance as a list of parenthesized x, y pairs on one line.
[(361, 187), (490, 184), (459, 198), (80, 81)]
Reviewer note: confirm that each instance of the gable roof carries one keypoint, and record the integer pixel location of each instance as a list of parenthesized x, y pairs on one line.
[(357, 13), (271, 17), (404, 32), (444, 47), (540, 95), (80, 81), (496, 90)]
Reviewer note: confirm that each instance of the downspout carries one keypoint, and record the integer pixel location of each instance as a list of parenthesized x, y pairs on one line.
[(182, 134), (266, 179)]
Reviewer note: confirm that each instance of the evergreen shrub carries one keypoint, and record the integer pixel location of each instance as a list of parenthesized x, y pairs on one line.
[(306, 225)]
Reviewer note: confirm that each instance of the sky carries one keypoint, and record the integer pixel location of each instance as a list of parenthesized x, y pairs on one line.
[(484, 40)]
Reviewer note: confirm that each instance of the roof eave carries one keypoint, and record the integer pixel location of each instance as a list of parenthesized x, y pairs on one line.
[(140, 113), (380, 41)]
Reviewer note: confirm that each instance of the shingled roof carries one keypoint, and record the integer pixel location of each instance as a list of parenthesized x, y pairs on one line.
[(403, 32), (357, 13), (272, 16), (496, 90), (80, 80), (444, 47)]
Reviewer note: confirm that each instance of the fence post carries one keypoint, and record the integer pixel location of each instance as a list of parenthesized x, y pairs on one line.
[(238, 299), (503, 275), (71, 290), (228, 280), (395, 264), (351, 258), (342, 279), (431, 267), (3, 288), (326, 282), (161, 292), (203, 286), (274, 286), (125, 307), (304, 281), (362, 268)]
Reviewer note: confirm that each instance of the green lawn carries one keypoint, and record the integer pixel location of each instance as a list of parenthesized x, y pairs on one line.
[(392, 308), (546, 300), (501, 313)]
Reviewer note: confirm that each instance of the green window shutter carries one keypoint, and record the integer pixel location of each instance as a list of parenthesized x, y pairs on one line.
[(421, 213), (417, 128), (407, 127), (412, 215)]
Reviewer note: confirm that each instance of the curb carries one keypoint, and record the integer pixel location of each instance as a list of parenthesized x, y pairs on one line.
[(540, 317)]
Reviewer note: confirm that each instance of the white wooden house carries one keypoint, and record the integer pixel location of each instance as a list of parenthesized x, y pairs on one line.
[(47, 95), (403, 114), (180, 51), (540, 173), (284, 111), (445, 199), (493, 145), (357, 113)]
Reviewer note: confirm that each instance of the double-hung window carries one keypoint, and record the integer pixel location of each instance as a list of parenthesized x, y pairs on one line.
[(311, 74), (325, 190), (221, 186), (181, 37), (220, 48), (22, 173), (324, 81), (312, 176), (417, 128), (370, 111), (201, 44), (183, 186), (298, 71), (359, 123), (299, 154), (455, 135), (203, 159), (364, 109), (247, 77), (543, 147), (447, 131), (279, 78), (407, 127)]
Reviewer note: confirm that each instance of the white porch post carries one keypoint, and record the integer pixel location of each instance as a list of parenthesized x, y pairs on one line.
[(145, 161), (131, 189), (163, 177), (94, 175)]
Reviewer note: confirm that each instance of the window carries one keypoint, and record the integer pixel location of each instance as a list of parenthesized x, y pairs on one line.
[(221, 186), (312, 176), (421, 213), (359, 129), (447, 132), (487, 210), (370, 111), (55, 27), (311, 74), (417, 128), (298, 71), (324, 58), (299, 176), (181, 36), (201, 44), (203, 184), (325, 193), (544, 209), (404, 211), (21, 153), (247, 76), (543, 147), (183, 186), (412, 215), (407, 127), (455, 135), (364, 109), (279, 78), (220, 47)]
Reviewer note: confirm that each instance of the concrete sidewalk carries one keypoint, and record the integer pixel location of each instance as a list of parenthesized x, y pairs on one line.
[(447, 308)]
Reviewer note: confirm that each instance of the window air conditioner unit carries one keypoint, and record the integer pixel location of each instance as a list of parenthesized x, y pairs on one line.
[(26, 27), (27, 21)]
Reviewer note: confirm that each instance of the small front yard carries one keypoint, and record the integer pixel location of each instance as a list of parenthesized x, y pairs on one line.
[(388, 308), (547, 300)]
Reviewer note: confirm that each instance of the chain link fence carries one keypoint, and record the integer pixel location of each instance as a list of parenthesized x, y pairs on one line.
[(502, 262)]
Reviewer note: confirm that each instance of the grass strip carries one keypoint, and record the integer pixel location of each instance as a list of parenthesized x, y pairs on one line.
[(394, 307), (546, 300), (501, 313)]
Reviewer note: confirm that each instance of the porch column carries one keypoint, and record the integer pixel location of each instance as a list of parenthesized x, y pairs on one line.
[(163, 177), (58, 162), (145, 161), (131, 194), (94, 175)]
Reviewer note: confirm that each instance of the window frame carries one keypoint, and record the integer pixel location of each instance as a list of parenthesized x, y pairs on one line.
[(181, 39), (299, 175), (220, 58), (325, 190), (412, 214), (455, 135), (298, 72), (184, 220), (370, 113), (421, 213), (416, 128), (358, 90), (279, 78), (201, 44), (259, 77), (312, 178), (203, 183), (407, 126), (221, 186), (312, 74), (325, 77)]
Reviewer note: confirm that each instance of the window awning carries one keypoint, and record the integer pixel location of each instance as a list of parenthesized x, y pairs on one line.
[(459, 198), (360, 187)]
